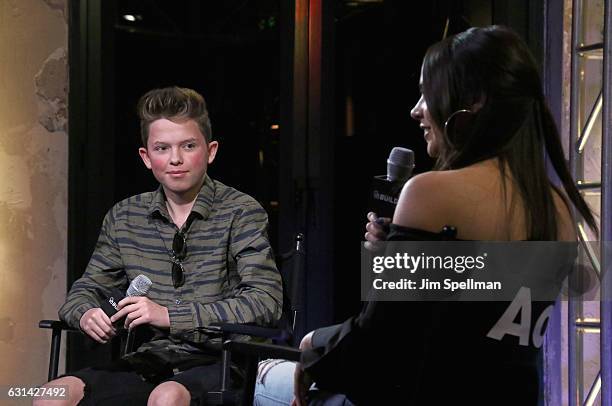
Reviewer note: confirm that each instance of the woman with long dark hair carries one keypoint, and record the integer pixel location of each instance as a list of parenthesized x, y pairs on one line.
[(485, 119), (482, 105)]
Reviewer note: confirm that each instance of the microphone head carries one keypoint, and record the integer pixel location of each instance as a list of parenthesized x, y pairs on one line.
[(140, 286), (400, 164)]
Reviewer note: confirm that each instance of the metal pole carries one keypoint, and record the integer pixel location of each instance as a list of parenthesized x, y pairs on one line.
[(606, 214), (573, 340)]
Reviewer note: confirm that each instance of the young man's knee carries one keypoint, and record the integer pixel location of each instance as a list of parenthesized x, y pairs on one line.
[(169, 393), (74, 391)]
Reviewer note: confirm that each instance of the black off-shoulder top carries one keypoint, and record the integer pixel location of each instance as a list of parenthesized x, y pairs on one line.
[(401, 233), (417, 353)]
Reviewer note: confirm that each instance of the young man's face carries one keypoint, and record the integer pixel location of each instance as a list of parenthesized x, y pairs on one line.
[(178, 155)]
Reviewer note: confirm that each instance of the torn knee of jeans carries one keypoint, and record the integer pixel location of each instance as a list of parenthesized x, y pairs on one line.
[(265, 366)]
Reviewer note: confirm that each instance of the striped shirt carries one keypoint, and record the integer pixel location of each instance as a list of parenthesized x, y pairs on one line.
[(229, 269)]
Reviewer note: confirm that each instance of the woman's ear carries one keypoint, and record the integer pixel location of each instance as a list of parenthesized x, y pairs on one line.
[(458, 125), (479, 103)]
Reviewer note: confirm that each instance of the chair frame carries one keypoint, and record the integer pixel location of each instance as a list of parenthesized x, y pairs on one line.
[(252, 352)]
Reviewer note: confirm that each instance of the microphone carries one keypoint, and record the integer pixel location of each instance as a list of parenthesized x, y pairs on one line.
[(139, 287), (386, 188)]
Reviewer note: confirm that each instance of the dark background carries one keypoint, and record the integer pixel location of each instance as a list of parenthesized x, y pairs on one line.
[(337, 123)]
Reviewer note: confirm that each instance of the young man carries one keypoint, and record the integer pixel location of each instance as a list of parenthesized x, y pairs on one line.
[(204, 247)]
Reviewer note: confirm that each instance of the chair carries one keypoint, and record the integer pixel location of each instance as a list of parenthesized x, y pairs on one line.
[(126, 343), (285, 333), (252, 352), (56, 327)]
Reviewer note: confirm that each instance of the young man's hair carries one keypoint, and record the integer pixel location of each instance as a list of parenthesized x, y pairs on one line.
[(174, 104)]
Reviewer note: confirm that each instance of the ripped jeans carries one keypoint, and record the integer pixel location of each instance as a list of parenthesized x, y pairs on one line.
[(274, 384), (274, 387)]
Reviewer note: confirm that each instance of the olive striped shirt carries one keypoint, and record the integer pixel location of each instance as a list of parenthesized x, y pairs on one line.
[(230, 273)]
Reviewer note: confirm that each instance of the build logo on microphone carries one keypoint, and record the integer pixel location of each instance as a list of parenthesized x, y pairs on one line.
[(113, 303)]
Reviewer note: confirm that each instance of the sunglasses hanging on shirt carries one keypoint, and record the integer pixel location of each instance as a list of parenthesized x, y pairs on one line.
[(177, 255)]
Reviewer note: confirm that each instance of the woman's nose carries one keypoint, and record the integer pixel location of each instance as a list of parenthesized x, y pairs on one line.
[(416, 112)]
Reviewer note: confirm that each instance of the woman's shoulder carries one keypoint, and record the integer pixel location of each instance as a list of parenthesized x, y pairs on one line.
[(474, 200), (462, 197), (456, 178), (423, 201), (566, 225)]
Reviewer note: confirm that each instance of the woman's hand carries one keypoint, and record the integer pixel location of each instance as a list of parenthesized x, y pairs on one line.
[(301, 380), (376, 230)]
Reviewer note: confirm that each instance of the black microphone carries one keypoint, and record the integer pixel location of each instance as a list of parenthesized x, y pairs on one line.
[(386, 188), (139, 287)]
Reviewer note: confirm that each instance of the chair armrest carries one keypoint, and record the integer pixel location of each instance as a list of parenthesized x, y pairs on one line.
[(55, 325), (252, 353), (246, 329), (262, 350)]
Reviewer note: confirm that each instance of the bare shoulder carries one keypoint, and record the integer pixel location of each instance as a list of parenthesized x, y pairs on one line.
[(423, 201), (475, 200), (467, 198), (565, 221)]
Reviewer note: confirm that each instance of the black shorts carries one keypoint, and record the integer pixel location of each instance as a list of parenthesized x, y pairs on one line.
[(117, 383)]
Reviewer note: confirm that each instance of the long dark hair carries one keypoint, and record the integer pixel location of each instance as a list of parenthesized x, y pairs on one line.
[(491, 72)]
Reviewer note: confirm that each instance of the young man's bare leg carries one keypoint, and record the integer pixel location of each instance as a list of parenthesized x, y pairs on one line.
[(74, 389)]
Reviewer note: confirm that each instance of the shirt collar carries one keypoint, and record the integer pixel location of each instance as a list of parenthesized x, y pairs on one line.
[(202, 205)]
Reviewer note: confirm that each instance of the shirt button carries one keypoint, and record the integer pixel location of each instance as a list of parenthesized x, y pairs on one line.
[(178, 301)]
